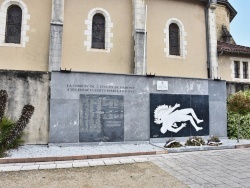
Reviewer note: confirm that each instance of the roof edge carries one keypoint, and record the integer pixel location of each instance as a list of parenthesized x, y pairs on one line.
[(230, 8), (225, 47)]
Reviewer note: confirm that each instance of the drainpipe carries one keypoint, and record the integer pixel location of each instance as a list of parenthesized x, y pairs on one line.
[(207, 39), (145, 40)]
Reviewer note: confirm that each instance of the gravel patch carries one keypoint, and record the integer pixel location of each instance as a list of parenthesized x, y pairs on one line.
[(31, 151), (146, 175)]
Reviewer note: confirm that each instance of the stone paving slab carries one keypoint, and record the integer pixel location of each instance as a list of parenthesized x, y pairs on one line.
[(96, 163), (111, 162), (11, 168), (64, 165), (30, 167), (47, 166), (80, 164), (126, 161)]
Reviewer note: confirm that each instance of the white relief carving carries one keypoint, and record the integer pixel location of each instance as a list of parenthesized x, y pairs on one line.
[(168, 116)]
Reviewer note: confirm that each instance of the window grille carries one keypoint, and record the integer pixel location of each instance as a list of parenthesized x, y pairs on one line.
[(13, 25), (174, 39), (98, 32)]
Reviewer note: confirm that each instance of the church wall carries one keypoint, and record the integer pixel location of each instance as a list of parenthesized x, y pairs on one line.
[(192, 16), (76, 55), (34, 55), (222, 18)]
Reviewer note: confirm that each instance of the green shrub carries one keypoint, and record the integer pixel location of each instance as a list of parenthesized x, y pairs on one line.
[(5, 127), (239, 102), (233, 120), (238, 106)]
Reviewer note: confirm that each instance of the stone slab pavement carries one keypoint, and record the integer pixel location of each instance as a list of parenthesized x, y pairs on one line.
[(220, 168), (216, 168)]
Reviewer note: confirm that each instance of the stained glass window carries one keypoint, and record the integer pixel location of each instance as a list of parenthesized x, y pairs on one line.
[(174, 39), (13, 25), (98, 31)]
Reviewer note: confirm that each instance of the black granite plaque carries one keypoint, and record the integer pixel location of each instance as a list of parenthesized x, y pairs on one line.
[(101, 118), (189, 118)]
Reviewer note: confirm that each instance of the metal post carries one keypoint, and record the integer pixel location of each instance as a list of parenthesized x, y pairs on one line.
[(238, 129)]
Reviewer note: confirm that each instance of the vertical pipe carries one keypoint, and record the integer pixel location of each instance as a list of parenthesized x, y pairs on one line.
[(207, 39), (145, 39)]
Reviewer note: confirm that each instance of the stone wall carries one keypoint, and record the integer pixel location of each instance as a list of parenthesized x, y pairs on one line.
[(89, 107), (25, 87)]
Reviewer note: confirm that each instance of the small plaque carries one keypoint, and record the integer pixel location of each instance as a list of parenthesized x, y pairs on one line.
[(162, 85)]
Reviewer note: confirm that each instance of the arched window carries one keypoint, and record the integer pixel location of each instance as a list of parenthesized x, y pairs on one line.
[(13, 25), (98, 31), (174, 39)]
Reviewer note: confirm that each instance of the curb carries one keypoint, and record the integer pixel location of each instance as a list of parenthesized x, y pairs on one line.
[(207, 148), (242, 146), (79, 157), (198, 148)]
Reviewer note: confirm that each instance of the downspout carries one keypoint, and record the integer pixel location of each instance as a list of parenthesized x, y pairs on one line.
[(145, 40), (207, 39)]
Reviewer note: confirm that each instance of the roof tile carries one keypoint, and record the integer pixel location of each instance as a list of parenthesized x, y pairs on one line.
[(232, 48)]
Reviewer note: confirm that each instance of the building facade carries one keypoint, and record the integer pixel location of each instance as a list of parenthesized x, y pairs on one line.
[(164, 39)]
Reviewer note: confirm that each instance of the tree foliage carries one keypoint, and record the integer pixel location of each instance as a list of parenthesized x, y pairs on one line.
[(239, 103), (238, 106)]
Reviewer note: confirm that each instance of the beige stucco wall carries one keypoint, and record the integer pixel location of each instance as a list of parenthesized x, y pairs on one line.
[(225, 71), (226, 67), (75, 54), (222, 18), (191, 14), (34, 56)]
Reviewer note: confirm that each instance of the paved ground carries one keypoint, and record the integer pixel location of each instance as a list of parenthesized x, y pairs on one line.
[(218, 168), (223, 168)]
